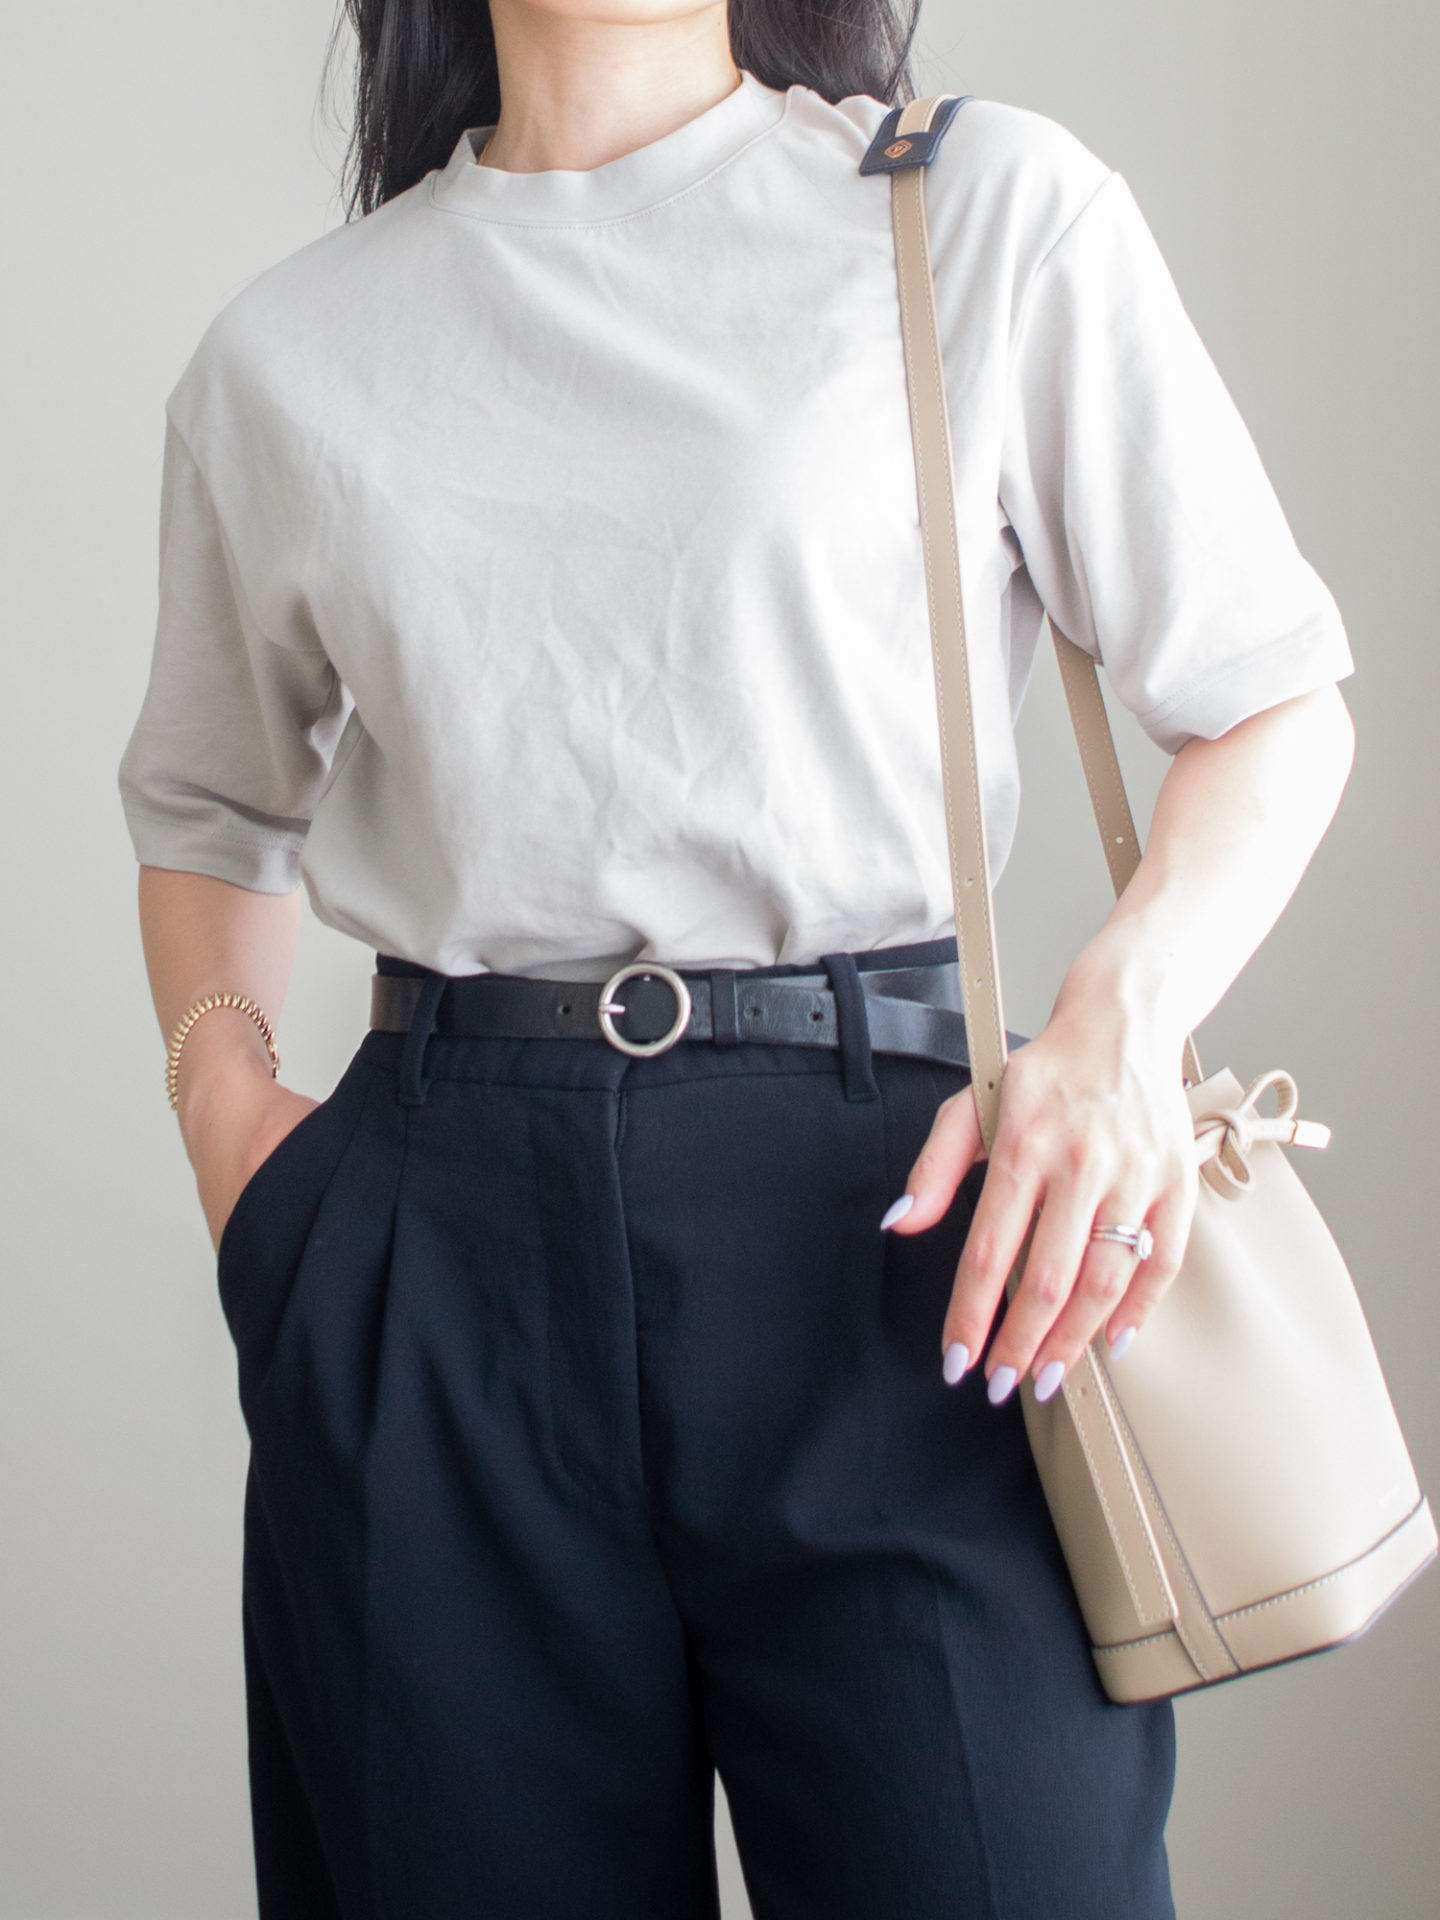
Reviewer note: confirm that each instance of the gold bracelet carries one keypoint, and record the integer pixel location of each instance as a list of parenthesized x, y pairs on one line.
[(242, 1004)]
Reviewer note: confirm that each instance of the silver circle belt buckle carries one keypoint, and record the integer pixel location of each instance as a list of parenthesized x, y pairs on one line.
[(609, 1006)]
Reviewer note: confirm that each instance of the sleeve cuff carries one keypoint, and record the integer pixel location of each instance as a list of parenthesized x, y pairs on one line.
[(1316, 655), (245, 855)]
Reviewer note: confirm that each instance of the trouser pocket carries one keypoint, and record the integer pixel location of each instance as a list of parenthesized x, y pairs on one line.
[(264, 1239)]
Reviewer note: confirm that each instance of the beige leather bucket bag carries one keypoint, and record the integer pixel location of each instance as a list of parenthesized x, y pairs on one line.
[(1236, 1492)]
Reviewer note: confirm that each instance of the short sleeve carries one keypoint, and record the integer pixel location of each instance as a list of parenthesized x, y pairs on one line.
[(236, 733), (1147, 523)]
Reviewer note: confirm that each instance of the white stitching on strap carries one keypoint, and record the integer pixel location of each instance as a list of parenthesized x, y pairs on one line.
[(1182, 1565), (1142, 1612)]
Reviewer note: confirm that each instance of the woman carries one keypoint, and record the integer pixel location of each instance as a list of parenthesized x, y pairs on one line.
[(541, 583)]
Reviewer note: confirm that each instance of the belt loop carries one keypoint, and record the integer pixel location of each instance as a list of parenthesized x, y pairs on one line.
[(724, 1008), (854, 1026), (422, 1025)]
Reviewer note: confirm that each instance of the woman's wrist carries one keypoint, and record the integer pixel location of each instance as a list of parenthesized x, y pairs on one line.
[(1124, 983), (223, 1059)]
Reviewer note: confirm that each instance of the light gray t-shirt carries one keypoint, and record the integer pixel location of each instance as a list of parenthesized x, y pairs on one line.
[(541, 572)]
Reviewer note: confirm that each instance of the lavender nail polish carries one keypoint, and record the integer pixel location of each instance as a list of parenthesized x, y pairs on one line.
[(957, 1359), (1120, 1345), (898, 1212), (1002, 1385), (1047, 1381)]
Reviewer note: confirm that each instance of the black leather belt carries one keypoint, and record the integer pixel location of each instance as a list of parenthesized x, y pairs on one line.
[(645, 1008)]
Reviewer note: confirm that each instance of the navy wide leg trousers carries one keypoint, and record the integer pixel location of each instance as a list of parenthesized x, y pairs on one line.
[(599, 1442)]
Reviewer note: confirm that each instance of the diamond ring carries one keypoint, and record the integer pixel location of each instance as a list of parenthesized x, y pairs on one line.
[(1140, 1240)]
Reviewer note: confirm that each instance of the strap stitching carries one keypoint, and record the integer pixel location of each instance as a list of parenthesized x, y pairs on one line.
[(910, 227), (1160, 1516), (1143, 1640), (1156, 1568)]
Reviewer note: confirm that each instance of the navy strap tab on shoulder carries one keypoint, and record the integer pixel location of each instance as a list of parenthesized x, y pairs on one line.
[(889, 152)]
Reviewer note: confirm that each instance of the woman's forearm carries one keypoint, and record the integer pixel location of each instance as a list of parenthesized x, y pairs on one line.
[(205, 936), (1235, 824)]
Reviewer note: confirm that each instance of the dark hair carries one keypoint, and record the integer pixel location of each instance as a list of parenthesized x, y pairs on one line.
[(425, 70)]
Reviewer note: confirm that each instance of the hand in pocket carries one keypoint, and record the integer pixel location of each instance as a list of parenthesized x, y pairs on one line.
[(232, 1130)]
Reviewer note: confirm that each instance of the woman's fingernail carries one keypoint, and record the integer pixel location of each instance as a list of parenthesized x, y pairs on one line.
[(898, 1212), (1120, 1345), (1047, 1381), (1002, 1384), (957, 1359)]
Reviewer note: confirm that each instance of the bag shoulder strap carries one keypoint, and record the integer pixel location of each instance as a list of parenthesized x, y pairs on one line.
[(905, 157), (904, 145), (1105, 783)]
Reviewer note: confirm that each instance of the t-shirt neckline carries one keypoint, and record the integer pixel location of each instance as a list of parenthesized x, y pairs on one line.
[(630, 184)]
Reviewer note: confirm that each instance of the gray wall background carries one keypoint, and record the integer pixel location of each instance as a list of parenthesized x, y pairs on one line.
[(156, 155)]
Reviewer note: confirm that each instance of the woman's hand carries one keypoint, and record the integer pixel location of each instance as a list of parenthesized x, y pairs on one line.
[(1094, 1128), (232, 1113)]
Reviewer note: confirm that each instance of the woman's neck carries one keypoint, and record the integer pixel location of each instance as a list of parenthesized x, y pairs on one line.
[(579, 91)]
